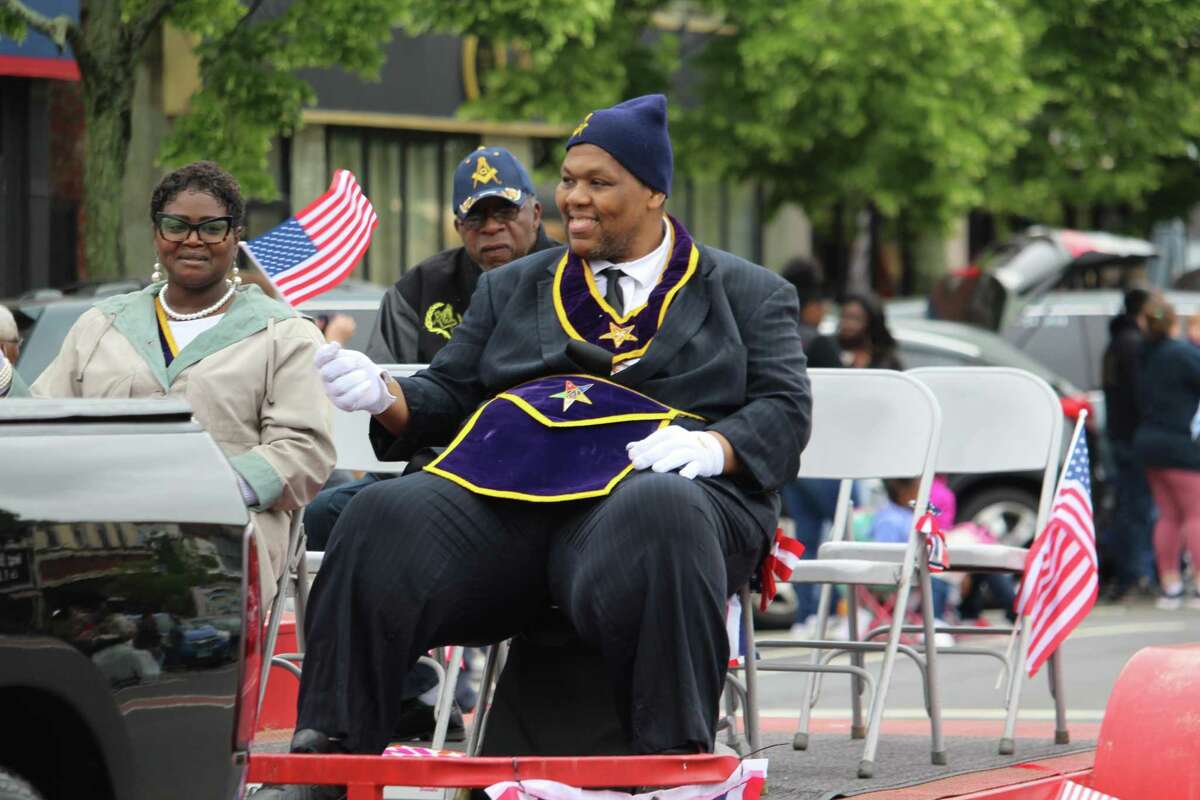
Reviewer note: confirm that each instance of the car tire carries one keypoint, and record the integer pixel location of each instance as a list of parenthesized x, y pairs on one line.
[(781, 612), (1009, 512), (13, 788)]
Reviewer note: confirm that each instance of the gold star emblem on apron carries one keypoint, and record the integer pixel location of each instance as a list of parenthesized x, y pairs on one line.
[(573, 394)]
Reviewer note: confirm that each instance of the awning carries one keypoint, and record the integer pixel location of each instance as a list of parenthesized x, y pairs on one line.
[(37, 56)]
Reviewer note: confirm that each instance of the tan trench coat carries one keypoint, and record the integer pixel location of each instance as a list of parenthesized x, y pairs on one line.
[(251, 384)]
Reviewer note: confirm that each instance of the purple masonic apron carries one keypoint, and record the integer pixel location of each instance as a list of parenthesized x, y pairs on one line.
[(557, 438), (563, 437)]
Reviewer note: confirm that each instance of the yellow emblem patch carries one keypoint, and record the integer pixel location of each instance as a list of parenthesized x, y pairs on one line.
[(484, 173), (441, 319), (619, 335), (581, 126)]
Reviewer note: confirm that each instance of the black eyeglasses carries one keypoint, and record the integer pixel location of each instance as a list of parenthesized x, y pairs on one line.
[(502, 214), (213, 230)]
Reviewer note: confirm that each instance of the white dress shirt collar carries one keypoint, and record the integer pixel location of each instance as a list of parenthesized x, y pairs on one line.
[(643, 271)]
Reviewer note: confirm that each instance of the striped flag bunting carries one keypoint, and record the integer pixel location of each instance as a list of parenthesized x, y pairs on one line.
[(1075, 791), (745, 783), (316, 249), (779, 564)]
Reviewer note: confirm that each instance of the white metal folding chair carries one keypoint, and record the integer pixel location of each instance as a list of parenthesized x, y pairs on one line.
[(994, 419), (868, 424)]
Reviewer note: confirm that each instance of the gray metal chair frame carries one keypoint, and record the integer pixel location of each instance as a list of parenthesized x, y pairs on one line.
[(869, 424), (1021, 431)]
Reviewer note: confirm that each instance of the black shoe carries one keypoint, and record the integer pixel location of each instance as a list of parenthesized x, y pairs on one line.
[(1115, 593), (416, 723), (306, 740)]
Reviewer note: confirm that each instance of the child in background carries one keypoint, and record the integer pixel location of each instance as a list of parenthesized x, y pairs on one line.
[(893, 523)]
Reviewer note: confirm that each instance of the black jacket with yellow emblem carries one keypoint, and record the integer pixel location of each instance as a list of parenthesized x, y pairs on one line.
[(421, 310)]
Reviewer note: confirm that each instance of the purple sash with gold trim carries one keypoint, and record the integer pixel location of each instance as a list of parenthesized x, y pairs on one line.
[(584, 314), (552, 439)]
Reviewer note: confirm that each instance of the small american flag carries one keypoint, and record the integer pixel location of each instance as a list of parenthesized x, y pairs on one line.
[(316, 249), (1060, 583), (1074, 791)]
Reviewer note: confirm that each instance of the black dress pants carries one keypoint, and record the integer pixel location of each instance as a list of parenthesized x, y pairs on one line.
[(643, 574)]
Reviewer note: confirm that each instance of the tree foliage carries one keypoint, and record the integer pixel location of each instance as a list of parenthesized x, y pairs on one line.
[(1121, 113), (897, 103), (250, 55)]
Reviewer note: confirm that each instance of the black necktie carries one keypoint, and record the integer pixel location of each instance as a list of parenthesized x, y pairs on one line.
[(612, 292)]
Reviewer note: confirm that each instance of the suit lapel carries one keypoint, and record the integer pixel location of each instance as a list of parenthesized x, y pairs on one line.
[(552, 337), (683, 321), (684, 318)]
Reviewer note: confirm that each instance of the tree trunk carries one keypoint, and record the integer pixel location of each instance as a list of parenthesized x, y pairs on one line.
[(107, 67)]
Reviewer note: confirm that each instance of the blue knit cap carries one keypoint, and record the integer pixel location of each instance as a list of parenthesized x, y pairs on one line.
[(635, 134)]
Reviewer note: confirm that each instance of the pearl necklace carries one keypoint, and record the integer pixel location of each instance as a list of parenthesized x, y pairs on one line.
[(204, 312)]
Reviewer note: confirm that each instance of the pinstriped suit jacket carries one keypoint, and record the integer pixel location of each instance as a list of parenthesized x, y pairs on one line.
[(729, 350)]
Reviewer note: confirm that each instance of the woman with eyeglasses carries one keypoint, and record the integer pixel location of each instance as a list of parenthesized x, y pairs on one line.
[(242, 360)]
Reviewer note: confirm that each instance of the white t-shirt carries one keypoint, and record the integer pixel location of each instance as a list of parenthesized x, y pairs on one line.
[(185, 332)]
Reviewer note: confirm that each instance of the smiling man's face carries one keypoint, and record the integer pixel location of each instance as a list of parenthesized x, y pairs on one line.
[(603, 205), (492, 240)]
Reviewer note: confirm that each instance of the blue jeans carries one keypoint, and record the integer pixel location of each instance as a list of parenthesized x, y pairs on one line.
[(1131, 536), (810, 503), (322, 513)]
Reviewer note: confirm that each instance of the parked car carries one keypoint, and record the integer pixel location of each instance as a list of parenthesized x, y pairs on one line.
[(992, 291), (44, 317), (194, 642), (92, 543), (1068, 332)]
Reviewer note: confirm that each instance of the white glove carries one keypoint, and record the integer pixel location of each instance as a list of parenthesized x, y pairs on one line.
[(673, 447), (352, 381), (6, 373)]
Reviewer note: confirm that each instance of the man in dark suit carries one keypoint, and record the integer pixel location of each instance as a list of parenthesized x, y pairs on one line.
[(640, 552)]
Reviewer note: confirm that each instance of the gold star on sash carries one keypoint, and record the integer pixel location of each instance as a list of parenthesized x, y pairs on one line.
[(619, 335), (484, 173), (572, 393)]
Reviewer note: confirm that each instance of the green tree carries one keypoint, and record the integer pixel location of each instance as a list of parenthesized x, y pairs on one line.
[(249, 57), (900, 104), (1121, 117)]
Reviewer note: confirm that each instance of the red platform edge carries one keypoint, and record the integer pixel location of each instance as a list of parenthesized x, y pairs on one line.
[(365, 776)]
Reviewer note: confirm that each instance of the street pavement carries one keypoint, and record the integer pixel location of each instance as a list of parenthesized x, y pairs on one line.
[(972, 704)]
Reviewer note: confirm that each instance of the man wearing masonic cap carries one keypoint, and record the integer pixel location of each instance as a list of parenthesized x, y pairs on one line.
[(618, 416)]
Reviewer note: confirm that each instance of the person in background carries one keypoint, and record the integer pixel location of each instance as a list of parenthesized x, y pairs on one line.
[(894, 522), (11, 384), (810, 502), (241, 360), (1133, 518), (863, 334), (1168, 394), (807, 277), (498, 219)]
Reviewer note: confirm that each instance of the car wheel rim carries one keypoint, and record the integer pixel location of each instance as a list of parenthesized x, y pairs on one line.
[(1013, 524)]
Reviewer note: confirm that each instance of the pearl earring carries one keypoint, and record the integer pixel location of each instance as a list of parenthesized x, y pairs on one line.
[(156, 276), (235, 277)]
